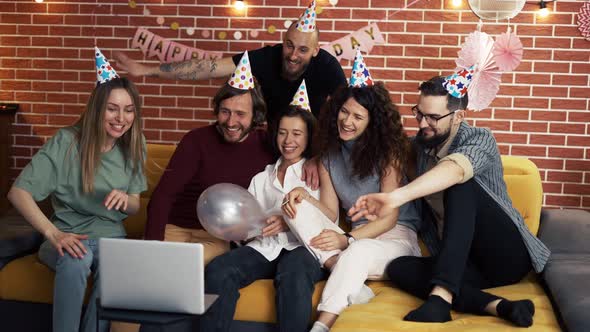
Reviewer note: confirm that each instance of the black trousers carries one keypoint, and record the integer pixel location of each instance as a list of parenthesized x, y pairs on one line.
[(481, 248)]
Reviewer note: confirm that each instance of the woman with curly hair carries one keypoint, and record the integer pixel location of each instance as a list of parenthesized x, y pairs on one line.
[(362, 149)]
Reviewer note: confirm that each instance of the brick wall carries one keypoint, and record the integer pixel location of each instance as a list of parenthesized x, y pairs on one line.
[(541, 112)]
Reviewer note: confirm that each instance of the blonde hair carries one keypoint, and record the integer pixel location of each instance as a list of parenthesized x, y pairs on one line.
[(91, 134)]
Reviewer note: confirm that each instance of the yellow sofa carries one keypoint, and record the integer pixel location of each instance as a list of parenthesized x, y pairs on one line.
[(27, 280)]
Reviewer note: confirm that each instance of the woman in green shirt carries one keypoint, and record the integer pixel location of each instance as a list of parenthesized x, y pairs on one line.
[(94, 174)]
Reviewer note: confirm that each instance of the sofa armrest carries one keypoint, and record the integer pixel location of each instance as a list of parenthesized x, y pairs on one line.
[(17, 238), (566, 233)]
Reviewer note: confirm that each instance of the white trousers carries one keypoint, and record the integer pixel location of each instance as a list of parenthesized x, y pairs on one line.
[(365, 259)]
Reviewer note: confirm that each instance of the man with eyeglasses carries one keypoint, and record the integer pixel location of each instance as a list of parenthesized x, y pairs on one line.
[(476, 237)]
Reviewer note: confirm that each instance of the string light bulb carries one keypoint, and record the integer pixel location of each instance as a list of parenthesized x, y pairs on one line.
[(544, 11), (457, 3), (239, 4), (38, 1)]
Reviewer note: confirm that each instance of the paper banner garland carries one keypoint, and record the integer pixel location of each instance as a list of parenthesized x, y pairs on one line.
[(166, 50), (364, 38)]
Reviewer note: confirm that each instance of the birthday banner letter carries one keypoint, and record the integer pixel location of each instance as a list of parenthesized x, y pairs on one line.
[(166, 50)]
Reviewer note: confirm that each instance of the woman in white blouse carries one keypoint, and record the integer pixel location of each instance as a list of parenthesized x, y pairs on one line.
[(276, 254)]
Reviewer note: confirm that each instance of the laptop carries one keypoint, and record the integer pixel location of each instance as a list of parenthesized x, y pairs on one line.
[(153, 276)]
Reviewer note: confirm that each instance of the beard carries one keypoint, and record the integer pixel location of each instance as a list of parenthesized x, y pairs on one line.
[(434, 141), (221, 127), (292, 76)]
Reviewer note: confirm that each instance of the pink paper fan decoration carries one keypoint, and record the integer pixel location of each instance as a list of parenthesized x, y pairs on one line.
[(477, 50), (507, 51), (584, 20)]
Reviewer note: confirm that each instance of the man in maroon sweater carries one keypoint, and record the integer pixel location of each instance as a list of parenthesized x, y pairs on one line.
[(231, 150)]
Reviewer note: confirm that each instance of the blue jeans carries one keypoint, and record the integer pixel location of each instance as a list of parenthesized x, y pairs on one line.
[(70, 287), (294, 272)]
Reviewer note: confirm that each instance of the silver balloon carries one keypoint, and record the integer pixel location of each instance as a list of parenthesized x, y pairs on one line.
[(228, 211)]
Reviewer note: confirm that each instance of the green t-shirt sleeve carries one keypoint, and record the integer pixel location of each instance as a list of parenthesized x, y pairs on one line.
[(138, 181), (40, 176)]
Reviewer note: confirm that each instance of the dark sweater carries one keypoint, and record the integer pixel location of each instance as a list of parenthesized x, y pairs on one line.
[(203, 158)]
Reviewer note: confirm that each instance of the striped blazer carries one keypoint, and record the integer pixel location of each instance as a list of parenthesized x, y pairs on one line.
[(480, 148)]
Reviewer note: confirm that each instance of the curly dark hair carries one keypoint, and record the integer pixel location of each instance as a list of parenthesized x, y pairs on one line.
[(310, 123), (384, 141)]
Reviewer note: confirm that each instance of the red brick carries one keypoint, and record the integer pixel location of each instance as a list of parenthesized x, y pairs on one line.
[(552, 188), (63, 8), (193, 102), (46, 41), (61, 98), (567, 153), (577, 165), (172, 136), (459, 28), (553, 42), (577, 189), (65, 31), (493, 124), (547, 140), (578, 116), (549, 91), (30, 96), (534, 30), (523, 150), (548, 115), (421, 27), (151, 135), (159, 124), (538, 127), (567, 128), (397, 4), (512, 90), (15, 85), (63, 120), (576, 55), (531, 103), (533, 78), (511, 138), (48, 19), (578, 141), (558, 176), (563, 201), (581, 68), (579, 92), (570, 104), (31, 119), (15, 18), (15, 41), (31, 74)]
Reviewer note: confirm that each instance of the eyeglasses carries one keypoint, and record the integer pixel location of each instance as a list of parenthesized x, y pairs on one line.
[(432, 120)]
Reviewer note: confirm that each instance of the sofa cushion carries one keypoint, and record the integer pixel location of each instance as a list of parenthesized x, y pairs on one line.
[(523, 182), (566, 233), (17, 238), (385, 312), (27, 279)]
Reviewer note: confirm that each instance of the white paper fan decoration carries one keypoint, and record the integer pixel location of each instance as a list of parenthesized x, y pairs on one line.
[(477, 50)]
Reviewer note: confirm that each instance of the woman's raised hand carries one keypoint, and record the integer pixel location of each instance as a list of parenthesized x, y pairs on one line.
[(293, 198)]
